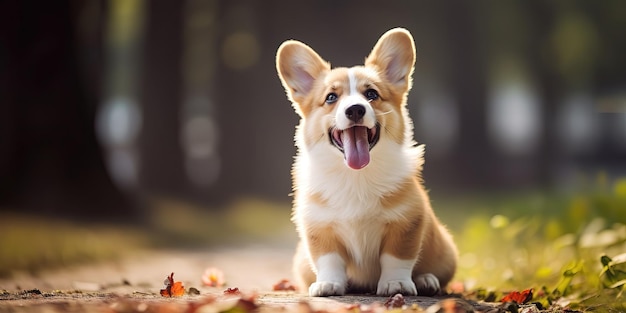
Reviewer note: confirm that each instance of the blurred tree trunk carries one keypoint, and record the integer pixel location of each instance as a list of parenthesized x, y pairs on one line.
[(50, 160), (550, 87), (468, 81), (162, 159)]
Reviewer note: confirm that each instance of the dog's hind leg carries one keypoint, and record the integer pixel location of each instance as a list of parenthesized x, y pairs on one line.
[(303, 274)]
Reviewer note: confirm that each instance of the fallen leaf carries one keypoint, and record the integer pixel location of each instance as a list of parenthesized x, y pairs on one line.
[(284, 285), (395, 302), (172, 289), (518, 297), (232, 292)]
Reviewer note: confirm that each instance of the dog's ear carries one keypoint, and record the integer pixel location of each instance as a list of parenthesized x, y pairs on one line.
[(394, 57), (298, 67)]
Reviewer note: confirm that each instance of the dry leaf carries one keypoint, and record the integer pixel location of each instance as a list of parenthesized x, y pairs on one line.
[(395, 302), (232, 292), (284, 285), (172, 289)]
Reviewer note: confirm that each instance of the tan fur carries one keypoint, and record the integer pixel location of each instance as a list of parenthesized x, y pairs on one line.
[(361, 215)]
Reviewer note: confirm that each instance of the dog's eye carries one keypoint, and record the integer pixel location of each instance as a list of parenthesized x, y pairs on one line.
[(331, 98), (371, 94)]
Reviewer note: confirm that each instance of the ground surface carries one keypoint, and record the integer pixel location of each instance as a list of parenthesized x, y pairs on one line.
[(132, 284)]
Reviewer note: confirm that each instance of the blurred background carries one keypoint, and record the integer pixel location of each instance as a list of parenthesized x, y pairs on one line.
[(170, 114)]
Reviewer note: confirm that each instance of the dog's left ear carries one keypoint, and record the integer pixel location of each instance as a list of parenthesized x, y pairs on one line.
[(394, 57)]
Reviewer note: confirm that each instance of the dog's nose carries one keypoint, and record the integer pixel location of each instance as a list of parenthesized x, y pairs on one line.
[(355, 112)]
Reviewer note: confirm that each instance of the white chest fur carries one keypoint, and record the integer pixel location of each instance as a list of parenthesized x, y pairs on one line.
[(353, 199)]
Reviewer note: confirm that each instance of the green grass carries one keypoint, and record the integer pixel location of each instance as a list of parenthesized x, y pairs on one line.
[(552, 243)]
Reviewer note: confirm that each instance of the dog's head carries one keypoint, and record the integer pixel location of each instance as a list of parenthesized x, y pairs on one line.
[(350, 109)]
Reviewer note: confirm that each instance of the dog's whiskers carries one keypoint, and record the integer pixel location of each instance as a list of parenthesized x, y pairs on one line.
[(384, 113), (321, 137)]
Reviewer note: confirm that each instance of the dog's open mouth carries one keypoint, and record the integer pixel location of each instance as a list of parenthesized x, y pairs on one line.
[(355, 143)]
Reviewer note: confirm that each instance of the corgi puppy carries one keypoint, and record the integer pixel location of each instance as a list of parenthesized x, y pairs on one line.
[(364, 219)]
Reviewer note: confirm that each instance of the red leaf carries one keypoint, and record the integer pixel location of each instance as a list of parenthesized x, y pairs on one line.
[(284, 285), (518, 297), (232, 292)]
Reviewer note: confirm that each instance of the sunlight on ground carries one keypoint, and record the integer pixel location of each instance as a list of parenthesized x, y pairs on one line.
[(30, 243)]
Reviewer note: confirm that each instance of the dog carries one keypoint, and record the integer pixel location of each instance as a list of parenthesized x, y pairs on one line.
[(362, 214)]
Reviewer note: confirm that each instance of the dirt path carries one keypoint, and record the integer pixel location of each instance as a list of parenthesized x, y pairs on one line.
[(249, 268), (133, 283)]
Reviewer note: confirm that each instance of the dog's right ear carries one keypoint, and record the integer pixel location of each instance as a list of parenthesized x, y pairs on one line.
[(298, 67)]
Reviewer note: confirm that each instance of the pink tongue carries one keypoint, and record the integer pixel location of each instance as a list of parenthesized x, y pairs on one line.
[(356, 147)]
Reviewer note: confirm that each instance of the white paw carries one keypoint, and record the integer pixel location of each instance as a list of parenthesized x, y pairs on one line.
[(392, 287), (427, 284), (327, 288)]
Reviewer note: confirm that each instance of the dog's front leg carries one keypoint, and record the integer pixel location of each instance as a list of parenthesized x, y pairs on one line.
[(331, 276), (395, 276), (399, 254), (327, 255)]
